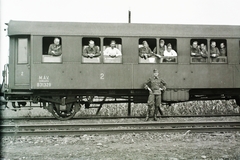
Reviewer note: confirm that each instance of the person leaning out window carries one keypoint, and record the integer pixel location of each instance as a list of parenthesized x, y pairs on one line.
[(55, 49), (169, 54)]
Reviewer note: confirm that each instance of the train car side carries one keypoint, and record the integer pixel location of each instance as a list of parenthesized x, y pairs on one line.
[(67, 79)]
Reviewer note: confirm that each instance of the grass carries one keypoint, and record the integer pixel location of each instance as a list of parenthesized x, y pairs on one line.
[(185, 108)]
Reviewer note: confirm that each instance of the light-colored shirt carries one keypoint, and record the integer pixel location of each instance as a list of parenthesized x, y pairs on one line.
[(112, 52), (172, 53)]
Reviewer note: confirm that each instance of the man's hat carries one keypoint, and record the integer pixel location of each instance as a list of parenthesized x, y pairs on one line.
[(155, 71)]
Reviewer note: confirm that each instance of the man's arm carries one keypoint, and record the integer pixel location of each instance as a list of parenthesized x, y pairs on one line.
[(105, 52), (174, 52), (195, 53), (58, 52), (155, 50), (55, 51), (204, 54), (217, 52), (97, 54), (155, 53), (85, 54), (140, 52), (50, 49), (147, 84), (164, 85), (149, 54), (118, 52)]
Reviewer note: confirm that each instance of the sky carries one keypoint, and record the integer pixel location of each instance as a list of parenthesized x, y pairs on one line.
[(213, 12)]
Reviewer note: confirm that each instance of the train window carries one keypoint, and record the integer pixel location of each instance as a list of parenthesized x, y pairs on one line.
[(198, 50), (22, 50), (145, 50), (91, 50), (218, 50), (52, 49), (167, 50), (112, 50)]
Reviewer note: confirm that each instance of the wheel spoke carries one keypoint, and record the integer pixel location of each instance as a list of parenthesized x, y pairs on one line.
[(66, 114)]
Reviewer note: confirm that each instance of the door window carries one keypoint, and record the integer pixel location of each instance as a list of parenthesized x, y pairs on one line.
[(22, 50)]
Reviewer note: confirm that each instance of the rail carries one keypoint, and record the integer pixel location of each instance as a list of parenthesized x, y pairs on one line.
[(115, 117), (113, 128)]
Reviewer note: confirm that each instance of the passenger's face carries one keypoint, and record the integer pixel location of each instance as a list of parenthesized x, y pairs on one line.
[(195, 45), (155, 74), (161, 44), (222, 46), (145, 44), (57, 41), (112, 45), (213, 44), (202, 46), (169, 49), (91, 44)]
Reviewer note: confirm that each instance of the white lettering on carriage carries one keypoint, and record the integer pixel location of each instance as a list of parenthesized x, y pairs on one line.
[(44, 82)]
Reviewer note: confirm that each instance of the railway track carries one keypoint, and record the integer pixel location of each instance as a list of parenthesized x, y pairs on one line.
[(118, 117), (113, 128)]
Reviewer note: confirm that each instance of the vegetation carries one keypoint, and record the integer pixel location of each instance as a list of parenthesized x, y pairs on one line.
[(184, 108)]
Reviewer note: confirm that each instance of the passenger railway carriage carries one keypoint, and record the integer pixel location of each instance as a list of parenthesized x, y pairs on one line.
[(62, 82)]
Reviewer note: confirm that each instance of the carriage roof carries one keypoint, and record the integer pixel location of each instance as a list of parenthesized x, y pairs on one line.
[(121, 29)]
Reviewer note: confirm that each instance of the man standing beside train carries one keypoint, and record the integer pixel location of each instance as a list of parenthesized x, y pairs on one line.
[(155, 85)]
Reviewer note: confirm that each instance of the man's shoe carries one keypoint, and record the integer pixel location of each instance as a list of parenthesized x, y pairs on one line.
[(155, 118), (147, 118)]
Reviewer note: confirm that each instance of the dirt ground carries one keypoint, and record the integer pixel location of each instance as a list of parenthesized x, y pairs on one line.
[(130, 146)]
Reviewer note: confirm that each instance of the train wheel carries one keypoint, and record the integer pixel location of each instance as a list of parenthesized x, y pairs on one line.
[(64, 112)]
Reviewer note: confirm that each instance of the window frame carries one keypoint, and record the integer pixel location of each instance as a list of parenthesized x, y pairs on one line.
[(59, 59), (140, 40), (98, 39), (218, 42), (200, 41), (174, 47), (109, 39)]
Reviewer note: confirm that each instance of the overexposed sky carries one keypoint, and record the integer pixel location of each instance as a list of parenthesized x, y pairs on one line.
[(219, 12), (143, 11)]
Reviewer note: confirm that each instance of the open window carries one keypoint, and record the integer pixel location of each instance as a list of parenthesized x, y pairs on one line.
[(91, 52), (168, 49), (112, 50), (145, 50), (198, 51), (52, 49), (218, 50)]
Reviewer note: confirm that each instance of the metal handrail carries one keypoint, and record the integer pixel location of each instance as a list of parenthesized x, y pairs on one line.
[(5, 75)]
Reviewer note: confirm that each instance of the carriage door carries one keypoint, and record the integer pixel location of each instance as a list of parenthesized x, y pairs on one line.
[(22, 68)]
